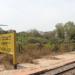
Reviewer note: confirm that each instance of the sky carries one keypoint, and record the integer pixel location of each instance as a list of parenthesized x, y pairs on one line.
[(42, 15)]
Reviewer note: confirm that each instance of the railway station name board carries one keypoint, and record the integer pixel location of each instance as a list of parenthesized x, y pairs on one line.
[(7, 43)]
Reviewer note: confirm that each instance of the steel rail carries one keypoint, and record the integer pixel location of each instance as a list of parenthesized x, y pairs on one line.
[(58, 70)]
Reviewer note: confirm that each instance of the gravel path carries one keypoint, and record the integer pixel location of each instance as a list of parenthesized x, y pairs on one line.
[(61, 70), (71, 72)]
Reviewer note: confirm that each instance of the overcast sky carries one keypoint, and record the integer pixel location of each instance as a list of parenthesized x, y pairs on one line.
[(23, 15)]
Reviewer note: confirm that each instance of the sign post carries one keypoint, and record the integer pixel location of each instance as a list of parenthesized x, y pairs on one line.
[(14, 55), (8, 45)]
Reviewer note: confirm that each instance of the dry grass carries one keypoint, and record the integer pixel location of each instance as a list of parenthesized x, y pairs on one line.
[(29, 54), (32, 51)]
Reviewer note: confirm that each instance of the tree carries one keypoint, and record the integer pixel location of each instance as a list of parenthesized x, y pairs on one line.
[(59, 31), (34, 33), (70, 30)]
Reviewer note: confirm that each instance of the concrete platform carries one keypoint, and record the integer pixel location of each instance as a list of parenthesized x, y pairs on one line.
[(41, 64)]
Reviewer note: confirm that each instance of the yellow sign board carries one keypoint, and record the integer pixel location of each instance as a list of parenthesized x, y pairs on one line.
[(8, 44)]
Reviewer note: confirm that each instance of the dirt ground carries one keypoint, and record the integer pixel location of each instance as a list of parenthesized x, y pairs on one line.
[(48, 62)]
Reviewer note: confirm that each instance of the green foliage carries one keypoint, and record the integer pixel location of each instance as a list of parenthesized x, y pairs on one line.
[(64, 33), (60, 30)]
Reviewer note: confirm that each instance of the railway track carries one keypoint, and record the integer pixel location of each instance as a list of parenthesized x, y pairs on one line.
[(59, 70)]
